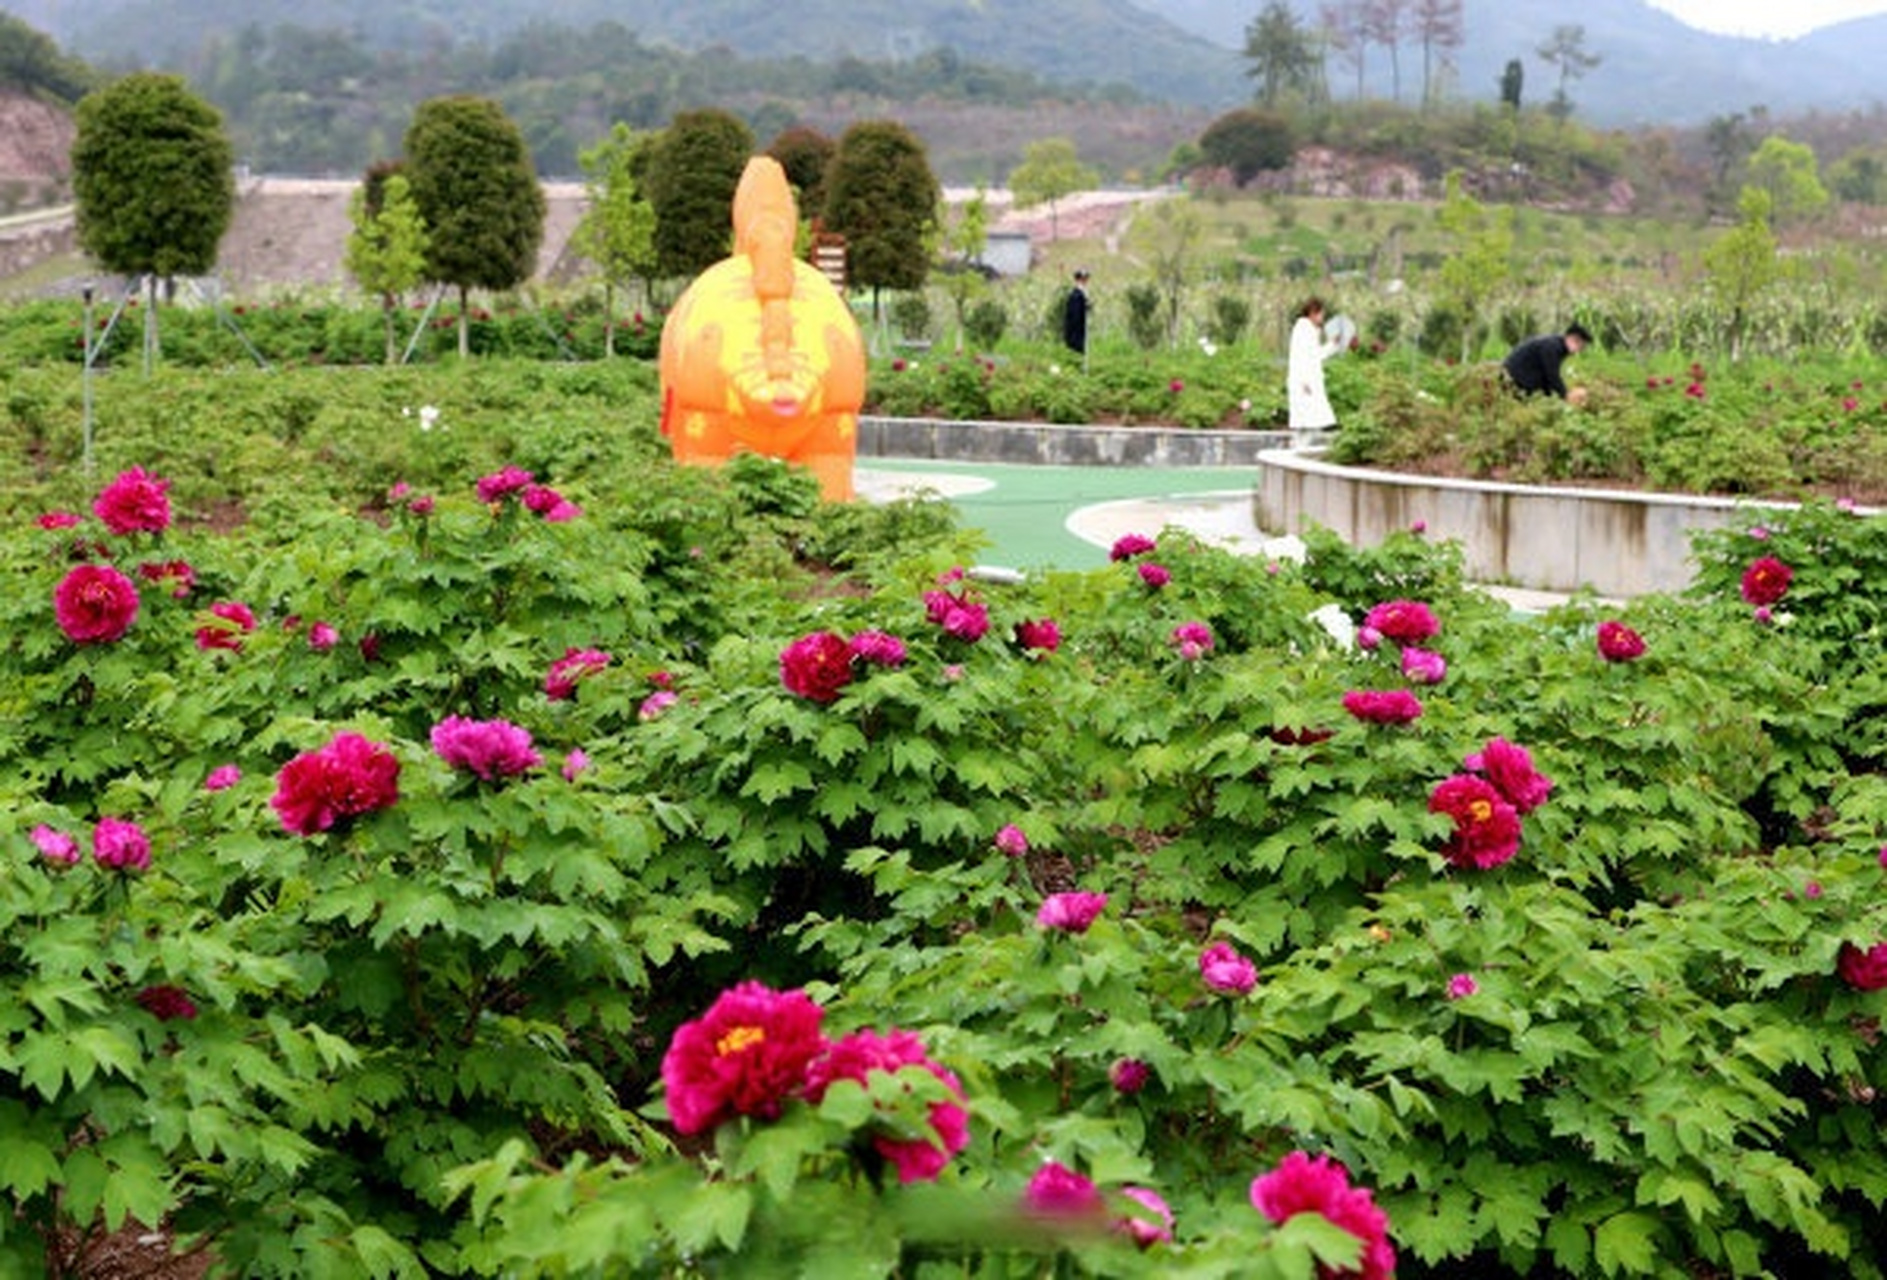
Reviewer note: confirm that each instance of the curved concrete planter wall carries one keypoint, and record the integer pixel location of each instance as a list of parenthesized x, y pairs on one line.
[(1050, 444), (1617, 542)]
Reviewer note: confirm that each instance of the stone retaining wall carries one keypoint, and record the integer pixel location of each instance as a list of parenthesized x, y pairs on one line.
[(1044, 444)]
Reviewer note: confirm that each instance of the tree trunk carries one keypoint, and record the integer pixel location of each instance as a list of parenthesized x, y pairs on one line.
[(387, 304), (465, 323), (609, 320)]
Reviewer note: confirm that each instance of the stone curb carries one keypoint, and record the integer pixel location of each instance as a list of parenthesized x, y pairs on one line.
[(1054, 444)]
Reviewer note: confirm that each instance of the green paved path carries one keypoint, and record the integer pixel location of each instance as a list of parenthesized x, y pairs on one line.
[(1024, 509)]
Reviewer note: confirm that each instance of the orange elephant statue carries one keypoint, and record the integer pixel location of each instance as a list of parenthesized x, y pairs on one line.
[(761, 353)]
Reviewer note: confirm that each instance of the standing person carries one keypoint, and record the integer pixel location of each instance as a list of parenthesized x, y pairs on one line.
[(1310, 406), (1532, 368), (1074, 317)]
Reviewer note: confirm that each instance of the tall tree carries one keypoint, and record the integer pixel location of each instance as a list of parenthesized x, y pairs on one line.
[(1743, 264), (1787, 173), (804, 153), (475, 186), (882, 196), (693, 169), (1051, 170), (1566, 50), (1385, 22), (1344, 31), (1441, 27), (386, 250), (153, 181), (1280, 53), (1512, 79), (962, 243), (617, 232), (1729, 140), (1479, 255)]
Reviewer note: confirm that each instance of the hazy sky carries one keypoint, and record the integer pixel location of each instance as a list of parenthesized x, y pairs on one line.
[(1767, 17)]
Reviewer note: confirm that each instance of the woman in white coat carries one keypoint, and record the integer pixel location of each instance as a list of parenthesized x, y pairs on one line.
[(1310, 407)]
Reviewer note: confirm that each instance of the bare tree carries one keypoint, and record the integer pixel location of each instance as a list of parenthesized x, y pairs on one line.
[(1384, 23), (1441, 26), (1345, 33), (1566, 50)]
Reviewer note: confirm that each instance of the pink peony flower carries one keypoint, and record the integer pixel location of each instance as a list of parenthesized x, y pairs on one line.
[(878, 648), (322, 636), (575, 763), (422, 506), (1071, 912), (864, 1053), (499, 483), (55, 846), (167, 1003), (1317, 1184), (1423, 666), (1863, 970), (1193, 640), (1763, 616), (1129, 1075), (1150, 1228), (1011, 841), (1383, 706), (1059, 1194), (1129, 545), (492, 749), (1511, 771), (234, 622), (1367, 637), (222, 778), (1461, 986), (1766, 581), (1404, 621), (1154, 575), (745, 1056), (1487, 829), (348, 777), (176, 574), (540, 498), (957, 615), (135, 502), (95, 604), (1042, 635), (59, 519), (1759, 532), (1225, 970), (120, 845), (576, 665), (1618, 642), (656, 703), (817, 666)]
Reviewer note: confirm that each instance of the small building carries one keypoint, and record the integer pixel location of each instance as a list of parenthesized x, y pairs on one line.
[(1007, 253)]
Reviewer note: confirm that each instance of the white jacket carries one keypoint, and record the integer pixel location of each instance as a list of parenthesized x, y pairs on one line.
[(1310, 407)]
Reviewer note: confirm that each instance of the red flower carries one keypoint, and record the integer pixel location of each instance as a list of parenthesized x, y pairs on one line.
[(1404, 621), (1863, 970), (166, 1003), (1487, 829), (863, 1053), (817, 666), (1071, 912), (499, 483), (1385, 706), (1511, 771), (1043, 635), (240, 623), (177, 574), (1618, 642), (1059, 1193), (120, 845), (745, 1056), (1317, 1184), (95, 604), (575, 665), (134, 503), (492, 749), (957, 615), (1129, 545), (348, 777), (58, 519), (1766, 581)]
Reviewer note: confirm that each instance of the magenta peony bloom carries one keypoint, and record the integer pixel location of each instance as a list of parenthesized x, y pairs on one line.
[(1863, 970), (1193, 640), (816, 666), (1059, 1194), (576, 665), (348, 777), (1129, 545), (499, 483), (1461, 986), (1423, 666), (1154, 575), (135, 502), (1404, 621), (1383, 706), (55, 846), (176, 574), (878, 648), (863, 1053), (1071, 912), (222, 778), (1766, 581), (1317, 1184), (167, 1003), (59, 519), (1011, 841), (322, 636), (1487, 829), (492, 749), (745, 1056), (1041, 634), (1367, 637), (575, 763), (120, 845), (1150, 1228), (1511, 771), (957, 615), (1129, 1075), (1225, 970), (540, 498), (656, 703), (235, 622), (1618, 642), (422, 506), (95, 604)]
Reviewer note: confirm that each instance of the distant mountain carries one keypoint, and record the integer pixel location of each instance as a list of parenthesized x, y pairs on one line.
[(1653, 68)]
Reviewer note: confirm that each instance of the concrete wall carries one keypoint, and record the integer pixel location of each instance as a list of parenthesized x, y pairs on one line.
[(1039, 444), (1618, 543)]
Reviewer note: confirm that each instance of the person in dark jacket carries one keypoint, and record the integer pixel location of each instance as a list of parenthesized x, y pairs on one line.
[(1533, 367), (1074, 315)]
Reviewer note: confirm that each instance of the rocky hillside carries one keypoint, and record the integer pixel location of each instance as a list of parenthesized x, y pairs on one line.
[(35, 153)]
